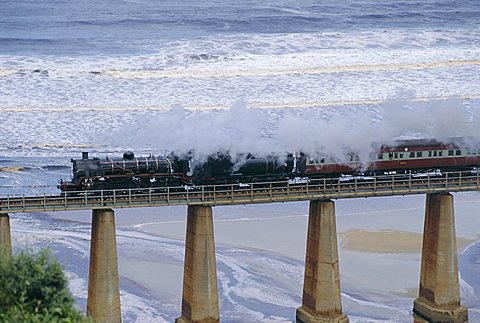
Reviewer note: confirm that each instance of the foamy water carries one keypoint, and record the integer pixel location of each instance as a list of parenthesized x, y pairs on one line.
[(51, 102), (344, 68)]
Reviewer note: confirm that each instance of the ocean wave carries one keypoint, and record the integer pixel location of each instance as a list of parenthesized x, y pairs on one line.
[(390, 16), (205, 107), (118, 31), (61, 145), (259, 72), (121, 22), (81, 98), (7, 40), (246, 71), (371, 16)]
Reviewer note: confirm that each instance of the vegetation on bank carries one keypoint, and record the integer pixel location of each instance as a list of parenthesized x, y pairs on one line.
[(34, 288)]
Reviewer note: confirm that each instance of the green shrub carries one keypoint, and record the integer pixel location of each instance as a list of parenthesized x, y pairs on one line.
[(33, 288)]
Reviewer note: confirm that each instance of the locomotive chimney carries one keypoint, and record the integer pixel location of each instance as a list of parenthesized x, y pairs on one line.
[(85, 155)]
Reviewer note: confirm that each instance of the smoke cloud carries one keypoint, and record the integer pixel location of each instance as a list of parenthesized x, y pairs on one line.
[(333, 131)]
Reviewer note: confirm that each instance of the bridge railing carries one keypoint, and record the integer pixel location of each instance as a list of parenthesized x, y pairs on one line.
[(245, 193)]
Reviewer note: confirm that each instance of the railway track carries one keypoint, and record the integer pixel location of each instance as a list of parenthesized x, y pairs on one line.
[(247, 193)]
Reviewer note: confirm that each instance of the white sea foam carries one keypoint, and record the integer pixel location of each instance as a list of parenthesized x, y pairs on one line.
[(58, 105), (265, 69)]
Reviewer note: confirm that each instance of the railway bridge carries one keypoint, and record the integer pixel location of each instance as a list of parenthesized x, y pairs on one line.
[(438, 299)]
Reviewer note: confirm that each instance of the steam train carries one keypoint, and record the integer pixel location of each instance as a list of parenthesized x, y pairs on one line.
[(171, 170), (405, 156)]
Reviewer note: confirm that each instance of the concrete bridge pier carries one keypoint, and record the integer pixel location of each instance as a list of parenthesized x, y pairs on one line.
[(200, 293), (439, 294), (321, 300), (103, 302), (5, 238)]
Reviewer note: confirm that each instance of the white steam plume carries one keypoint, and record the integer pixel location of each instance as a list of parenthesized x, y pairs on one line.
[(332, 132)]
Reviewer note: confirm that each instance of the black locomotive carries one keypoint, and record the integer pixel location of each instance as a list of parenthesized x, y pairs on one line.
[(170, 170)]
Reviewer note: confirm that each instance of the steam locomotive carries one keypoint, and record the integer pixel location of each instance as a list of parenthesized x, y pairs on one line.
[(129, 171), (171, 170)]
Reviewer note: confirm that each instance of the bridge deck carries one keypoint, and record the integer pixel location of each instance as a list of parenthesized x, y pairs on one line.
[(234, 194)]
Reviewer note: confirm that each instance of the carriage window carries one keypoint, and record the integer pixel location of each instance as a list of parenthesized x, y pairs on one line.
[(429, 153), (396, 155), (458, 152), (450, 153), (380, 156), (411, 155), (322, 160), (419, 154), (390, 155), (401, 155), (434, 153), (440, 153)]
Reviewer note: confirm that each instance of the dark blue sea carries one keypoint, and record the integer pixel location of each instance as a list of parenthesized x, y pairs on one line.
[(138, 27)]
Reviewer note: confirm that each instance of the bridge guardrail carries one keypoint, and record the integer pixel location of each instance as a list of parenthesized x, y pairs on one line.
[(257, 192)]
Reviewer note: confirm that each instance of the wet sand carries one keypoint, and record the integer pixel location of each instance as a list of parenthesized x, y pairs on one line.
[(388, 241)]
